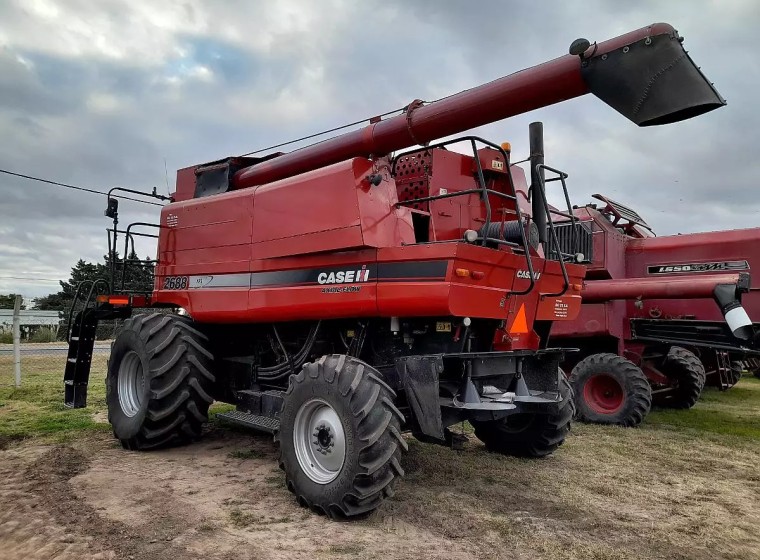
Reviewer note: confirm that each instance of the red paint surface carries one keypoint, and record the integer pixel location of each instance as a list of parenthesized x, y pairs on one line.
[(332, 217)]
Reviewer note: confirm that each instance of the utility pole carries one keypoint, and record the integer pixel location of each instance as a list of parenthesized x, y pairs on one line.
[(17, 339)]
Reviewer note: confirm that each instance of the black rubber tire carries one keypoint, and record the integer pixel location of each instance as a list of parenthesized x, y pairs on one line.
[(737, 370), (372, 425), (688, 375), (637, 393), (529, 434), (177, 368)]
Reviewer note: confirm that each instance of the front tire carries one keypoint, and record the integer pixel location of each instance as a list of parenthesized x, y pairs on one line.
[(159, 382), (529, 434), (610, 390), (340, 437)]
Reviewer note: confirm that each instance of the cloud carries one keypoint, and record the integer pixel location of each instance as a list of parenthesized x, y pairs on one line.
[(99, 94)]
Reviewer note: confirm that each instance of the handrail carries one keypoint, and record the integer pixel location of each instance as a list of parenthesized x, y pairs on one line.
[(127, 236), (484, 192)]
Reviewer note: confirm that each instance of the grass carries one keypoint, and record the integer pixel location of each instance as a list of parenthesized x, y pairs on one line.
[(36, 408), (734, 413), (44, 334), (246, 454), (352, 549), (240, 518), (682, 485)]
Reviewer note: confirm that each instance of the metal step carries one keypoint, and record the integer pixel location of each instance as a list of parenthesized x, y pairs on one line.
[(260, 423)]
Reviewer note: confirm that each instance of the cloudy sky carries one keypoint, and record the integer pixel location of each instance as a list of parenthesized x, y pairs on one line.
[(99, 94)]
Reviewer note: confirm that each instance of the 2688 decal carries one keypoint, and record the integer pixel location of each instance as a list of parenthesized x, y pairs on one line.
[(175, 283)]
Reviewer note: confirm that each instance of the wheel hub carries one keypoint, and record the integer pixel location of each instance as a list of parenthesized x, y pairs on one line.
[(131, 384), (319, 440), (603, 394), (323, 441)]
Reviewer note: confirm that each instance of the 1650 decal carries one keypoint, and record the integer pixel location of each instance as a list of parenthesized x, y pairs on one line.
[(697, 267)]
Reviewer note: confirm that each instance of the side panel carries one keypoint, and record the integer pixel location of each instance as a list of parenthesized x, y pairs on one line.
[(712, 253), (594, 319), (208, 235)]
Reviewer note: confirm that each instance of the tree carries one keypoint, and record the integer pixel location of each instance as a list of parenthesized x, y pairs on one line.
[(51, 302), (138, 279), (9, 301)]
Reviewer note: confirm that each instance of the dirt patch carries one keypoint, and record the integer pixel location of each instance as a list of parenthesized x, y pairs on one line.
[(7, 440), (607, 494), (227, 498), (28, 529), (223, 498), (58, 464)]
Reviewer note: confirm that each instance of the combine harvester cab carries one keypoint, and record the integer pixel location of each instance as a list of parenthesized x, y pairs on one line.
[(339, 295), (661, 315)]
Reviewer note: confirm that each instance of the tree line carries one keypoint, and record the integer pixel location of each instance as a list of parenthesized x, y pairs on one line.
[(137, 279)]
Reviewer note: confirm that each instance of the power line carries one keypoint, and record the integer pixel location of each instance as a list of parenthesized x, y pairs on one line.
[(29, 278), (316, 134), (83, 189)]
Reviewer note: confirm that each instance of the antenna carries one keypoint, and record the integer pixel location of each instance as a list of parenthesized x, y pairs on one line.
[(166, 175)]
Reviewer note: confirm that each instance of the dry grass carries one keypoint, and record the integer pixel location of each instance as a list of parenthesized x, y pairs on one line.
[(670, 489)]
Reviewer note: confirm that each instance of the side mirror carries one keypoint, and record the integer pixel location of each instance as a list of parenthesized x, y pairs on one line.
[(113, 208)]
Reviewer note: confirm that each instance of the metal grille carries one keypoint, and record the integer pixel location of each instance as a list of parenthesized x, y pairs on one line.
[(412, 178), (712, 334), (626, 212), (581, 242)]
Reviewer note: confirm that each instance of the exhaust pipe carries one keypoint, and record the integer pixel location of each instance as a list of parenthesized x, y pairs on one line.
[(536, 142), (728, 298)]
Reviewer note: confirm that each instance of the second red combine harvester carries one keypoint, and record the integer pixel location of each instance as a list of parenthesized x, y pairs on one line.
[(340, 295), (660, 315)]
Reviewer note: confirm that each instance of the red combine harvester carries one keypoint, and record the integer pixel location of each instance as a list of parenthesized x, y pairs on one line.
[(340, 295), (658, 313)]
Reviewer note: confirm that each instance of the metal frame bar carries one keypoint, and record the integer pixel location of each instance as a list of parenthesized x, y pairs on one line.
[(140, 262), (93, 285)]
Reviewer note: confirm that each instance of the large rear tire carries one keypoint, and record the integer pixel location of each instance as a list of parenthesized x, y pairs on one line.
[(340, 437), (688, 376), (529, 434), (159, 382), (610, 390)]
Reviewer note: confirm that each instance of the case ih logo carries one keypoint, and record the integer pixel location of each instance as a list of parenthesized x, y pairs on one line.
[(526, 274), (344, 276), (691, 268)]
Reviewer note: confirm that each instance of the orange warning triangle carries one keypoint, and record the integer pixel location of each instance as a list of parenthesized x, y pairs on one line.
[(520, 324)]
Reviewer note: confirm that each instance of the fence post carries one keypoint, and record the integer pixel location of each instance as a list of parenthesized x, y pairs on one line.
[(17, 339)]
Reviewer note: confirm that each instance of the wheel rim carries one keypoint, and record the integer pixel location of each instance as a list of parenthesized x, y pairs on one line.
[(131, 383), (319, 440), (603, 394), (516, 423)]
